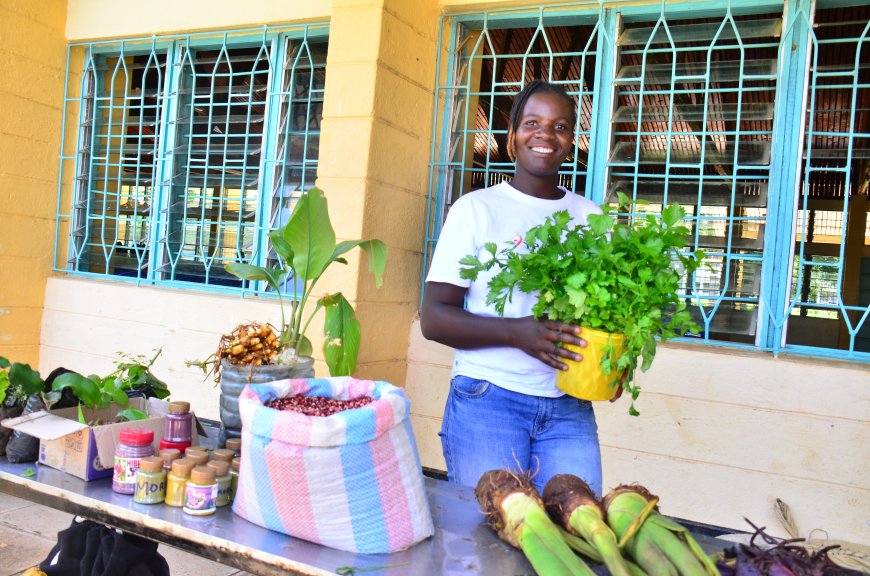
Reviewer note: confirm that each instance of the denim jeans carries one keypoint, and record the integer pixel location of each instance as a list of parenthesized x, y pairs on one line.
[(486, 427)]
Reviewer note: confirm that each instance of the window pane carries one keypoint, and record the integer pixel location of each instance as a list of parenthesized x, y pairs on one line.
[(693, 125), (830, 280), (120, 109)]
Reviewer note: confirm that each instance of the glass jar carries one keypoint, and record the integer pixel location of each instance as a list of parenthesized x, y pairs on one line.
[(150, 481), (133, 445), (200, 493), (176, 481), (177, 426), (224, 481)]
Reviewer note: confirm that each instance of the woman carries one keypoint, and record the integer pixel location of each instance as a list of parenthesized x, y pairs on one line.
[(503, 409)]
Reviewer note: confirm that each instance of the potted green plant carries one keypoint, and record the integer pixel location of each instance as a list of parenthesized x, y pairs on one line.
[(306, 248), (617, 279)]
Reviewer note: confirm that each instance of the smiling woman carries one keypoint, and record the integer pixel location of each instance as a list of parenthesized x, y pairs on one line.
[(504, 409)]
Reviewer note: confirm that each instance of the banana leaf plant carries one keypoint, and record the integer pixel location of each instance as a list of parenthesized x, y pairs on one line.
[(306, 247)]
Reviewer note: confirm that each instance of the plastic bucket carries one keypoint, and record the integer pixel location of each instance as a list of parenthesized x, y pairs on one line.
[(584, 379)]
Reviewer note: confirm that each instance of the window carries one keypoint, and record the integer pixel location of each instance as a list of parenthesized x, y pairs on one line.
[(189, 150), (694, 104)]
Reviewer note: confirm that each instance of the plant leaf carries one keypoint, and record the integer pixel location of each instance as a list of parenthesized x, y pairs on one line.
[(4, 362), (309, 232), (132, 414), (341, 330), (282, 248), (26, 378), (304, 347), (28, 473), (85, 389), (250, 272), (374, 249)]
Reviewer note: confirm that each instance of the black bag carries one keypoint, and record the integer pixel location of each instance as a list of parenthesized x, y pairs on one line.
[(90, 549)]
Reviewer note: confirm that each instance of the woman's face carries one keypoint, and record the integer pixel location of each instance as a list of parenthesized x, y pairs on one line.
[(544, 136)]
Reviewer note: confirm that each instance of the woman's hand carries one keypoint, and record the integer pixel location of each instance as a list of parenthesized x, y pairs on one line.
[(543, 339)]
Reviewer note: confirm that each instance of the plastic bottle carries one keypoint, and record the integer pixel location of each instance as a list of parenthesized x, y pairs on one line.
[(177, 426), (200, 493), (176, 481), (224, 481), (223, 454), (169, 455), (133, 445), (198, 455), (150, 481), (234, 444), (234, 477)]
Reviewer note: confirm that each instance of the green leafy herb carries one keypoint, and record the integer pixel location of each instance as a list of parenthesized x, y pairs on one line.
[(28, 473), (612, 275), (132, 414)]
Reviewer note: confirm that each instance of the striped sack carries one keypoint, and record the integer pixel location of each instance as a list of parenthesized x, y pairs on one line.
[(350, 481)]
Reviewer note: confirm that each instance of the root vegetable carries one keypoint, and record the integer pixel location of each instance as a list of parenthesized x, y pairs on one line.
[(515, 511), (572, 504)]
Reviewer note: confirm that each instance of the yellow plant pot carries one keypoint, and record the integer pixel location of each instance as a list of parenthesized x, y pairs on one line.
[(584, 379)]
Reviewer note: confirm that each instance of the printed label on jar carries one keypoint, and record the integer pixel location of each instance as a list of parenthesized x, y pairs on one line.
[(197, 497), (125, 471)]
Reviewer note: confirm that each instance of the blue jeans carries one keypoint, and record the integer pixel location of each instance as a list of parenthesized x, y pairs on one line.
[(486, 427)]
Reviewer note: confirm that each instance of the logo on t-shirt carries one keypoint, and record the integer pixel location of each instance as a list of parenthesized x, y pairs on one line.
[(518, 239)]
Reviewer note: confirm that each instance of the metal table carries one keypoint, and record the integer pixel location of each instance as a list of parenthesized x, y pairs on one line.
[(462, 544)]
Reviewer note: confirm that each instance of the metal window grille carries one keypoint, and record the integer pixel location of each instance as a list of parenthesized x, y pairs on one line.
[(692, 104), (188, 150)]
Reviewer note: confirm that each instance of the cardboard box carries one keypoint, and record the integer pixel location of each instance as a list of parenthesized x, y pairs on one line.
[(87, 451)]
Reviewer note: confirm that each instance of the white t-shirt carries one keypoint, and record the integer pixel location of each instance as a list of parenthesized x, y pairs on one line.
[(500, 214)]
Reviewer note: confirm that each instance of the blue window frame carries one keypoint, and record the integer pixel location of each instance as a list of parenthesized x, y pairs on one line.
[(188, 150), (752, 115)]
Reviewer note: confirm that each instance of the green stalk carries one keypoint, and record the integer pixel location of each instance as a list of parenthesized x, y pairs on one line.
[(573, 505), (514, 509), (581, 546), (659, 545)]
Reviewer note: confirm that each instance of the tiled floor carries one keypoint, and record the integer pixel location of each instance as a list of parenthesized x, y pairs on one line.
[(28, 531)]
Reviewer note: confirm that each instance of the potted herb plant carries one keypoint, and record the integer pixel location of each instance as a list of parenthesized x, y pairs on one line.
[(617, 279), (306, 247)]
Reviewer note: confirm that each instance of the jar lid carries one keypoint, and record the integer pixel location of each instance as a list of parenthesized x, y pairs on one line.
[(151, 464), (221, 467), (235, 464), (202, 475), (234, 444), (136, 436), (179, 407), (170, 454), (224, 454), (182, 467)]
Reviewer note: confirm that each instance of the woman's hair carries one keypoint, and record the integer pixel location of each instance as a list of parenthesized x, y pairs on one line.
[(523, 96)]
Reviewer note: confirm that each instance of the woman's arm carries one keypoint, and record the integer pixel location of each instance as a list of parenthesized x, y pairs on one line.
[(445, 320)]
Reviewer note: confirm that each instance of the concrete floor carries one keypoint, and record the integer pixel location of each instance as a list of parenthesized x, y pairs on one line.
[(28, 532)]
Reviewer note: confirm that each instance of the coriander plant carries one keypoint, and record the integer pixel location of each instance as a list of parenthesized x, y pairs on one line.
[(609, 275)]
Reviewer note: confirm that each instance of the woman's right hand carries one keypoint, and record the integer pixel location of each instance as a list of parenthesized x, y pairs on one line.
[(542, 339)]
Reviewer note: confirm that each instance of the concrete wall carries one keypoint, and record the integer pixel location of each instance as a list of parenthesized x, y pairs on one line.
[(32, 59), (721, 435)]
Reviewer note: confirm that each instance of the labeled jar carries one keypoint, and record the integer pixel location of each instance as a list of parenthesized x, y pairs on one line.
[(224, 454), (234, 477), (133, 445), (176, 481), (150, 481), (234, 444), (169, 455), (198, 455), (224, 481), (200, 493)]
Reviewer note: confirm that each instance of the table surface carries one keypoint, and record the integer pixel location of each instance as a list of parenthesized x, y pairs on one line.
[(462, 544)]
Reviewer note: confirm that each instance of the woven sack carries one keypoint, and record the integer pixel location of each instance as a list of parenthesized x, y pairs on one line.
[(350, 481)]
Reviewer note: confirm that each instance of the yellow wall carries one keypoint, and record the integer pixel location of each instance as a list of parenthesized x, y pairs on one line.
[(91, 19), (32, 58)]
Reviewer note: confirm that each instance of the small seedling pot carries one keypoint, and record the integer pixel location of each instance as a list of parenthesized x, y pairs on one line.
[(585, 379)]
